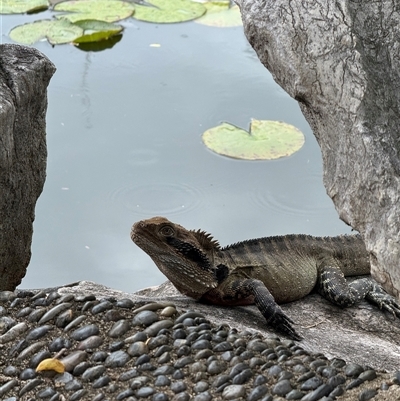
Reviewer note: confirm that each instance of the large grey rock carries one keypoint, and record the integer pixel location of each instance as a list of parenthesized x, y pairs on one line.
[(341, 60), (24, 76), (362, 334)]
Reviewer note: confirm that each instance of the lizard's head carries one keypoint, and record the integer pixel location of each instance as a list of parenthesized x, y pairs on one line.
[(184, 256)]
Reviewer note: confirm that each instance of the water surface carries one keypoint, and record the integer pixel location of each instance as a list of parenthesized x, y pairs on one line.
[(124, 140)]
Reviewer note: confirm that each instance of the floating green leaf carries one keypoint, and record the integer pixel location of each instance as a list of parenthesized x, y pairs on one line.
[(100, 46), (96, 31), (219, 14), (169, 11), (22, 6), (101, 10), (62, 31), (266, 140), (55, 31)]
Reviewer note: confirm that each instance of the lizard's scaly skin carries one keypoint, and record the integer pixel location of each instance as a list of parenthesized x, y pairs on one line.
[(264, 271)]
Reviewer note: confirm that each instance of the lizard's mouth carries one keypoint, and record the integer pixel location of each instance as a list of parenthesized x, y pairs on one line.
[(134, 231), (142, 238), (134, 236)]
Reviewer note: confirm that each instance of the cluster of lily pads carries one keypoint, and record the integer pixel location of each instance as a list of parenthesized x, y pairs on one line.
[(87, 21), (83, 21)]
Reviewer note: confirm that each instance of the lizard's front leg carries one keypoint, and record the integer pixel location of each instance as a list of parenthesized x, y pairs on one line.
[(245, 291)]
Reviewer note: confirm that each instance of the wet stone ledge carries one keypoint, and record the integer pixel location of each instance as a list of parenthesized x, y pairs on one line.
[(118, 349)]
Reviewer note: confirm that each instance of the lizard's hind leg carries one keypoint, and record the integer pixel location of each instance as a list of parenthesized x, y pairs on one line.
[(333, 286)]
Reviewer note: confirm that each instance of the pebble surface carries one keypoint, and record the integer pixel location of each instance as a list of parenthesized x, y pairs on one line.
[(118, 350)]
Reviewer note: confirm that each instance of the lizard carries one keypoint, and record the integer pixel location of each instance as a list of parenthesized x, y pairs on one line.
[(265, 271)]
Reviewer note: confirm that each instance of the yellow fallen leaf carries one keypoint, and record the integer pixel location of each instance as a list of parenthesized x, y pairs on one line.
[(51, 364)]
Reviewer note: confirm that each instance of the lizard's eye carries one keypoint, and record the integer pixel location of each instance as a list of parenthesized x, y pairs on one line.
[(167, 231)]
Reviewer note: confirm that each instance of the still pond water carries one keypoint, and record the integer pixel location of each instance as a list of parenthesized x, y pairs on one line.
[(124, 132)]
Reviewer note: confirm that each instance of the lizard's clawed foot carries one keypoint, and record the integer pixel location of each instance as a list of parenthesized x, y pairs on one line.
[(384, 300), (283, 323)]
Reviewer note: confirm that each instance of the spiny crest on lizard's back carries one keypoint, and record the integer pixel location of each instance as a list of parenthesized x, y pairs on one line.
[(206, 240), (268, 240), (292, 238)]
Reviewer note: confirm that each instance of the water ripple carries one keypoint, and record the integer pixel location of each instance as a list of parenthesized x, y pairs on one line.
[(158, 198), (143, 157), (309, 199)]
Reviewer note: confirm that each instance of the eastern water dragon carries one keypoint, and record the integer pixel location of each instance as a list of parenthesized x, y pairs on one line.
[(265, 271)]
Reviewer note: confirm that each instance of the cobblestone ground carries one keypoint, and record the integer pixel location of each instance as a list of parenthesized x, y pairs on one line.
[(108, 349)]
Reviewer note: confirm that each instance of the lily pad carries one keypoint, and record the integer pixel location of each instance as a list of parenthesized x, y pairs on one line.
[(99, 46), (219, 14), (266, 140), (55, 31), (22, 6), (169, 11), (62, 31), (101, 10), (96, 31)]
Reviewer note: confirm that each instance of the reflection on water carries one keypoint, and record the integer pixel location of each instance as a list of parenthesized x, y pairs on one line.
[(124, 133), (85, 90)]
